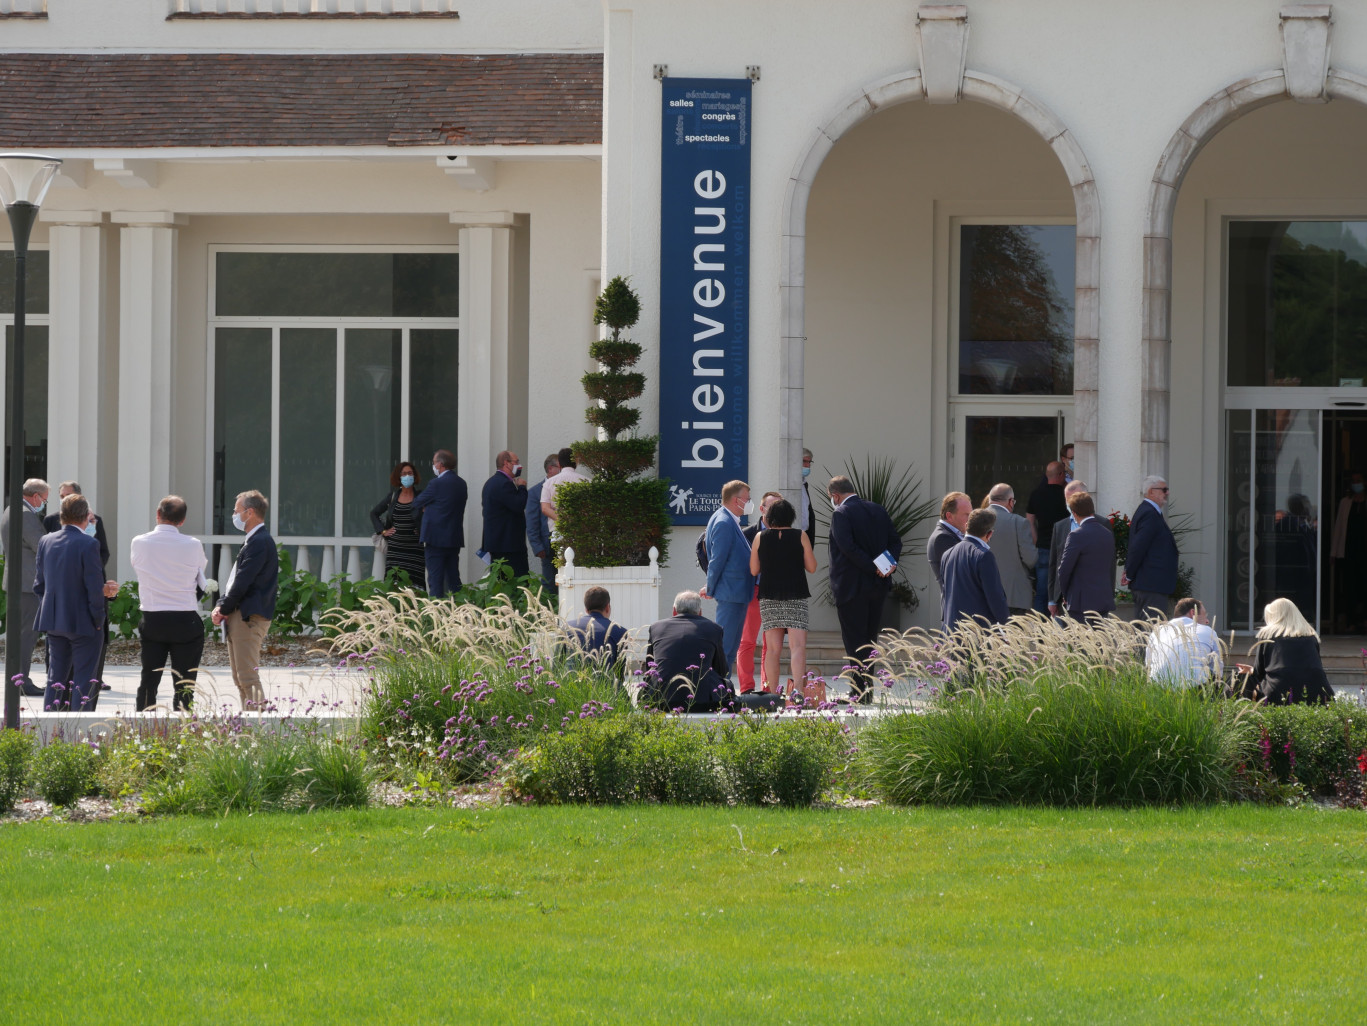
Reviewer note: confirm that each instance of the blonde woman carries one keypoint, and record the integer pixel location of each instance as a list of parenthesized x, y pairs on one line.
[(1287, 669)]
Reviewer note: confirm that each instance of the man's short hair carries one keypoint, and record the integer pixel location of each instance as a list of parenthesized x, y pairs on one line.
[(72, 488), (951, 503), (1152, 481), (1001, 493), (840, 485), (981, 522), (688, 603), (255, 500), (1073, 487), (806, 453), (770, 495), (731, 489), (552, 458), (596, 599), (502, 458), (35, 486), (445, 459), (75, 510), (566, 458), (1082, 505), (172, 510), (1188, 606), (1063, 450)]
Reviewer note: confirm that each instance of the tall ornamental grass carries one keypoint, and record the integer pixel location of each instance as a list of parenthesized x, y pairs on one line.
[(462, 689)]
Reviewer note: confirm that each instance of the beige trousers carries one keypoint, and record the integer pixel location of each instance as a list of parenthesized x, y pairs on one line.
[(244, 656)]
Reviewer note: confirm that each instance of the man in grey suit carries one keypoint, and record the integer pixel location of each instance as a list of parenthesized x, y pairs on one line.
[(1013, 544), (35, 498)]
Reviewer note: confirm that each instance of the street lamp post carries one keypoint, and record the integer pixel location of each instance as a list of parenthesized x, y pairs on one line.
[(24, 181)]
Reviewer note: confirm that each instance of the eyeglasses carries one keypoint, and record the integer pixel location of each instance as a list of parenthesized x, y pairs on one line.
[(1163, 490)]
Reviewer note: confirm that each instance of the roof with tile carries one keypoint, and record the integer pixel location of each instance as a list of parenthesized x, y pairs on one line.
[(250, 100)]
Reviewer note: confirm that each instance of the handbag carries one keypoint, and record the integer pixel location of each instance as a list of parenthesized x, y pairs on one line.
[(381, 544)]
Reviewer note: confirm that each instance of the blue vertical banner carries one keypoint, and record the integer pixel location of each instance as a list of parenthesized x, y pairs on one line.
[(704, 291)]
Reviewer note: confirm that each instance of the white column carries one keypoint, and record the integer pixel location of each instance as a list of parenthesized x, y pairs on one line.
[(147, 307), (77, 359), (485, 325)]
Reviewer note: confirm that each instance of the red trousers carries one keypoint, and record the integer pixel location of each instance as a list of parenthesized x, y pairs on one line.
[(745, 655)]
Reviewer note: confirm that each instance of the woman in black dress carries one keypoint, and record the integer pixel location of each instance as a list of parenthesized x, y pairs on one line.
[(1286, 668), (395, 518), (782, 556)]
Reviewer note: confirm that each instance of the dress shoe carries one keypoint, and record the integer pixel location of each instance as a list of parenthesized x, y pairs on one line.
[(106, 687)]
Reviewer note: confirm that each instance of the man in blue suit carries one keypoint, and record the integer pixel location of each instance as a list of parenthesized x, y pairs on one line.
[(69, 582), (248, 604), (539, 525), (729, 580), (1151, 560), (948, 532), (594, 632), (504, 503), (973, 581), (442, 505), (861, 531), (1086, 573)]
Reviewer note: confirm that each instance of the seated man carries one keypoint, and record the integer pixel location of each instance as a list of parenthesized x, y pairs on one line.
[(686, 664), (1185, 652), (594, 634)]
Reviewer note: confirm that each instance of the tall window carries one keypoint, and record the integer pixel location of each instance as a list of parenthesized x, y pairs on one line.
[(35, 357), (329, 367)]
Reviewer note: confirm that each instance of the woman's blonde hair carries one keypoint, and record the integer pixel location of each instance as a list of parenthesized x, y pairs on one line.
[(1284, 620)]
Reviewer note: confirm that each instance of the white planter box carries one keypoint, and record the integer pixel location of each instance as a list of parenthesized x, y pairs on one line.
[(635, 590)]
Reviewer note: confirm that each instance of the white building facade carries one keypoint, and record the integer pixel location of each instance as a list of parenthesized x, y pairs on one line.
[(296, 240)]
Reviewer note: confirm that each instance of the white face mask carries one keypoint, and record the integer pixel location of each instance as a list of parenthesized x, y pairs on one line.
[(436, 470), (517, 470), (89, 529), (748, 508), (238, 522)]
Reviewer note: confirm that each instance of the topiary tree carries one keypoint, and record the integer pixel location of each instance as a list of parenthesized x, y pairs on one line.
[(614, 519)]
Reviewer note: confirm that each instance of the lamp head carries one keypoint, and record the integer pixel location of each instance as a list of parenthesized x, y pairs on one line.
[(25, 177)]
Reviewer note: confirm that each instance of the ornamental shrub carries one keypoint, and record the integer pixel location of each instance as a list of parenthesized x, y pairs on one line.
[(16, 754), (64, 771), (1316, 745)]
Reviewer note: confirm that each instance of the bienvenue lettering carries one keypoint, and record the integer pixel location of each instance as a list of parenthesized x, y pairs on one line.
[(708, 292)]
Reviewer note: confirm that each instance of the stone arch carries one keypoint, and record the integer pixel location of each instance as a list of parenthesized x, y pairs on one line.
[(1204, 124), (906, 87)]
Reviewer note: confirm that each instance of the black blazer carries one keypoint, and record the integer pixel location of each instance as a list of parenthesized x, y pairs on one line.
[(1086, 573), (382, 514), (443, 524), (860, 530), (505, 519), (1288, 671), (53, 522), (1151, 559), (690, 668), (256, 579)]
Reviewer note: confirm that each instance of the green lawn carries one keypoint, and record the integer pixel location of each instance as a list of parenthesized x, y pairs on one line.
[(659, 915)]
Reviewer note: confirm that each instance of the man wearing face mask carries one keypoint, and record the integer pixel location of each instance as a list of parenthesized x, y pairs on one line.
[(52, 522), (442, 504), (729, 580), (248, 602), (505, 500), (35, 498), (807, 515)]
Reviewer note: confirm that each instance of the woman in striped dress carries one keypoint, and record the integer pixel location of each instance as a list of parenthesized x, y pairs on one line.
[(782, 556), (396, 519)]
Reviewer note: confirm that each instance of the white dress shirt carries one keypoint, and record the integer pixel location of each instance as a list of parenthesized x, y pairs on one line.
[(1183, 653), (168, 566)]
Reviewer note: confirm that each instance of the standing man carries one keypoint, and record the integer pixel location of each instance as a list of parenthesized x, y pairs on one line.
[(505, 504), (568, 474), (807, 515), (1151, 560), (949, 531), (1013, 544), (729, 580), (539, 525), (169, 567), (35, 498), (71, 590), (248, 601), (1065, 456), (442, 534), (1062, 530), (1086, 573), (973, 585), (861, 532), (1045, 509), (52, 522)]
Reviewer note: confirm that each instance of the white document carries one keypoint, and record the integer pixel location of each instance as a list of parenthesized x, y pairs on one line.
[(884, 562)]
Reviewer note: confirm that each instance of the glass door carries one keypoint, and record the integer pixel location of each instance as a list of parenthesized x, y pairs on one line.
[(990, 446)]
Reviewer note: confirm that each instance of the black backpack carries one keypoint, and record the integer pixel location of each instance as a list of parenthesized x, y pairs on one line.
[(701, 550)]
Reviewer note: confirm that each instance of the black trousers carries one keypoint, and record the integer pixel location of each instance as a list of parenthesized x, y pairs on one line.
[(178, 634), (860, 621), (516, 560)]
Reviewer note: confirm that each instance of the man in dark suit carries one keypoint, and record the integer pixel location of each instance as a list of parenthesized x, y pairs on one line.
[(35, 497), (861, 531), (71, 590), (505, 518), (442, 504), (52, 522), (949, 531), (807, 516), (1059, 537), (973, 581), (539, 525), (687, 667), (594, 632), (1151, 559), (1086, 574), (248, 603)]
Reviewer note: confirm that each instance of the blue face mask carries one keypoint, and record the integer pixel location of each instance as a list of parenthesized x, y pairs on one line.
[(406, 480), (806, 471), (90, 530)]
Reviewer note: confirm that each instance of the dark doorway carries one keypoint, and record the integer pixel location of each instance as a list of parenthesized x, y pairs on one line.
[(1343, 520)]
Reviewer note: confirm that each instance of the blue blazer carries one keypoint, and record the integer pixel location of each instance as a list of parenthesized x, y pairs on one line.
[(69, 582), (538, 524), (1151, 560), (594, 631), (256, 578), (860, 530), (442, 504), (1086, 573), (505, 506), (973, 585), (728, 560)]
